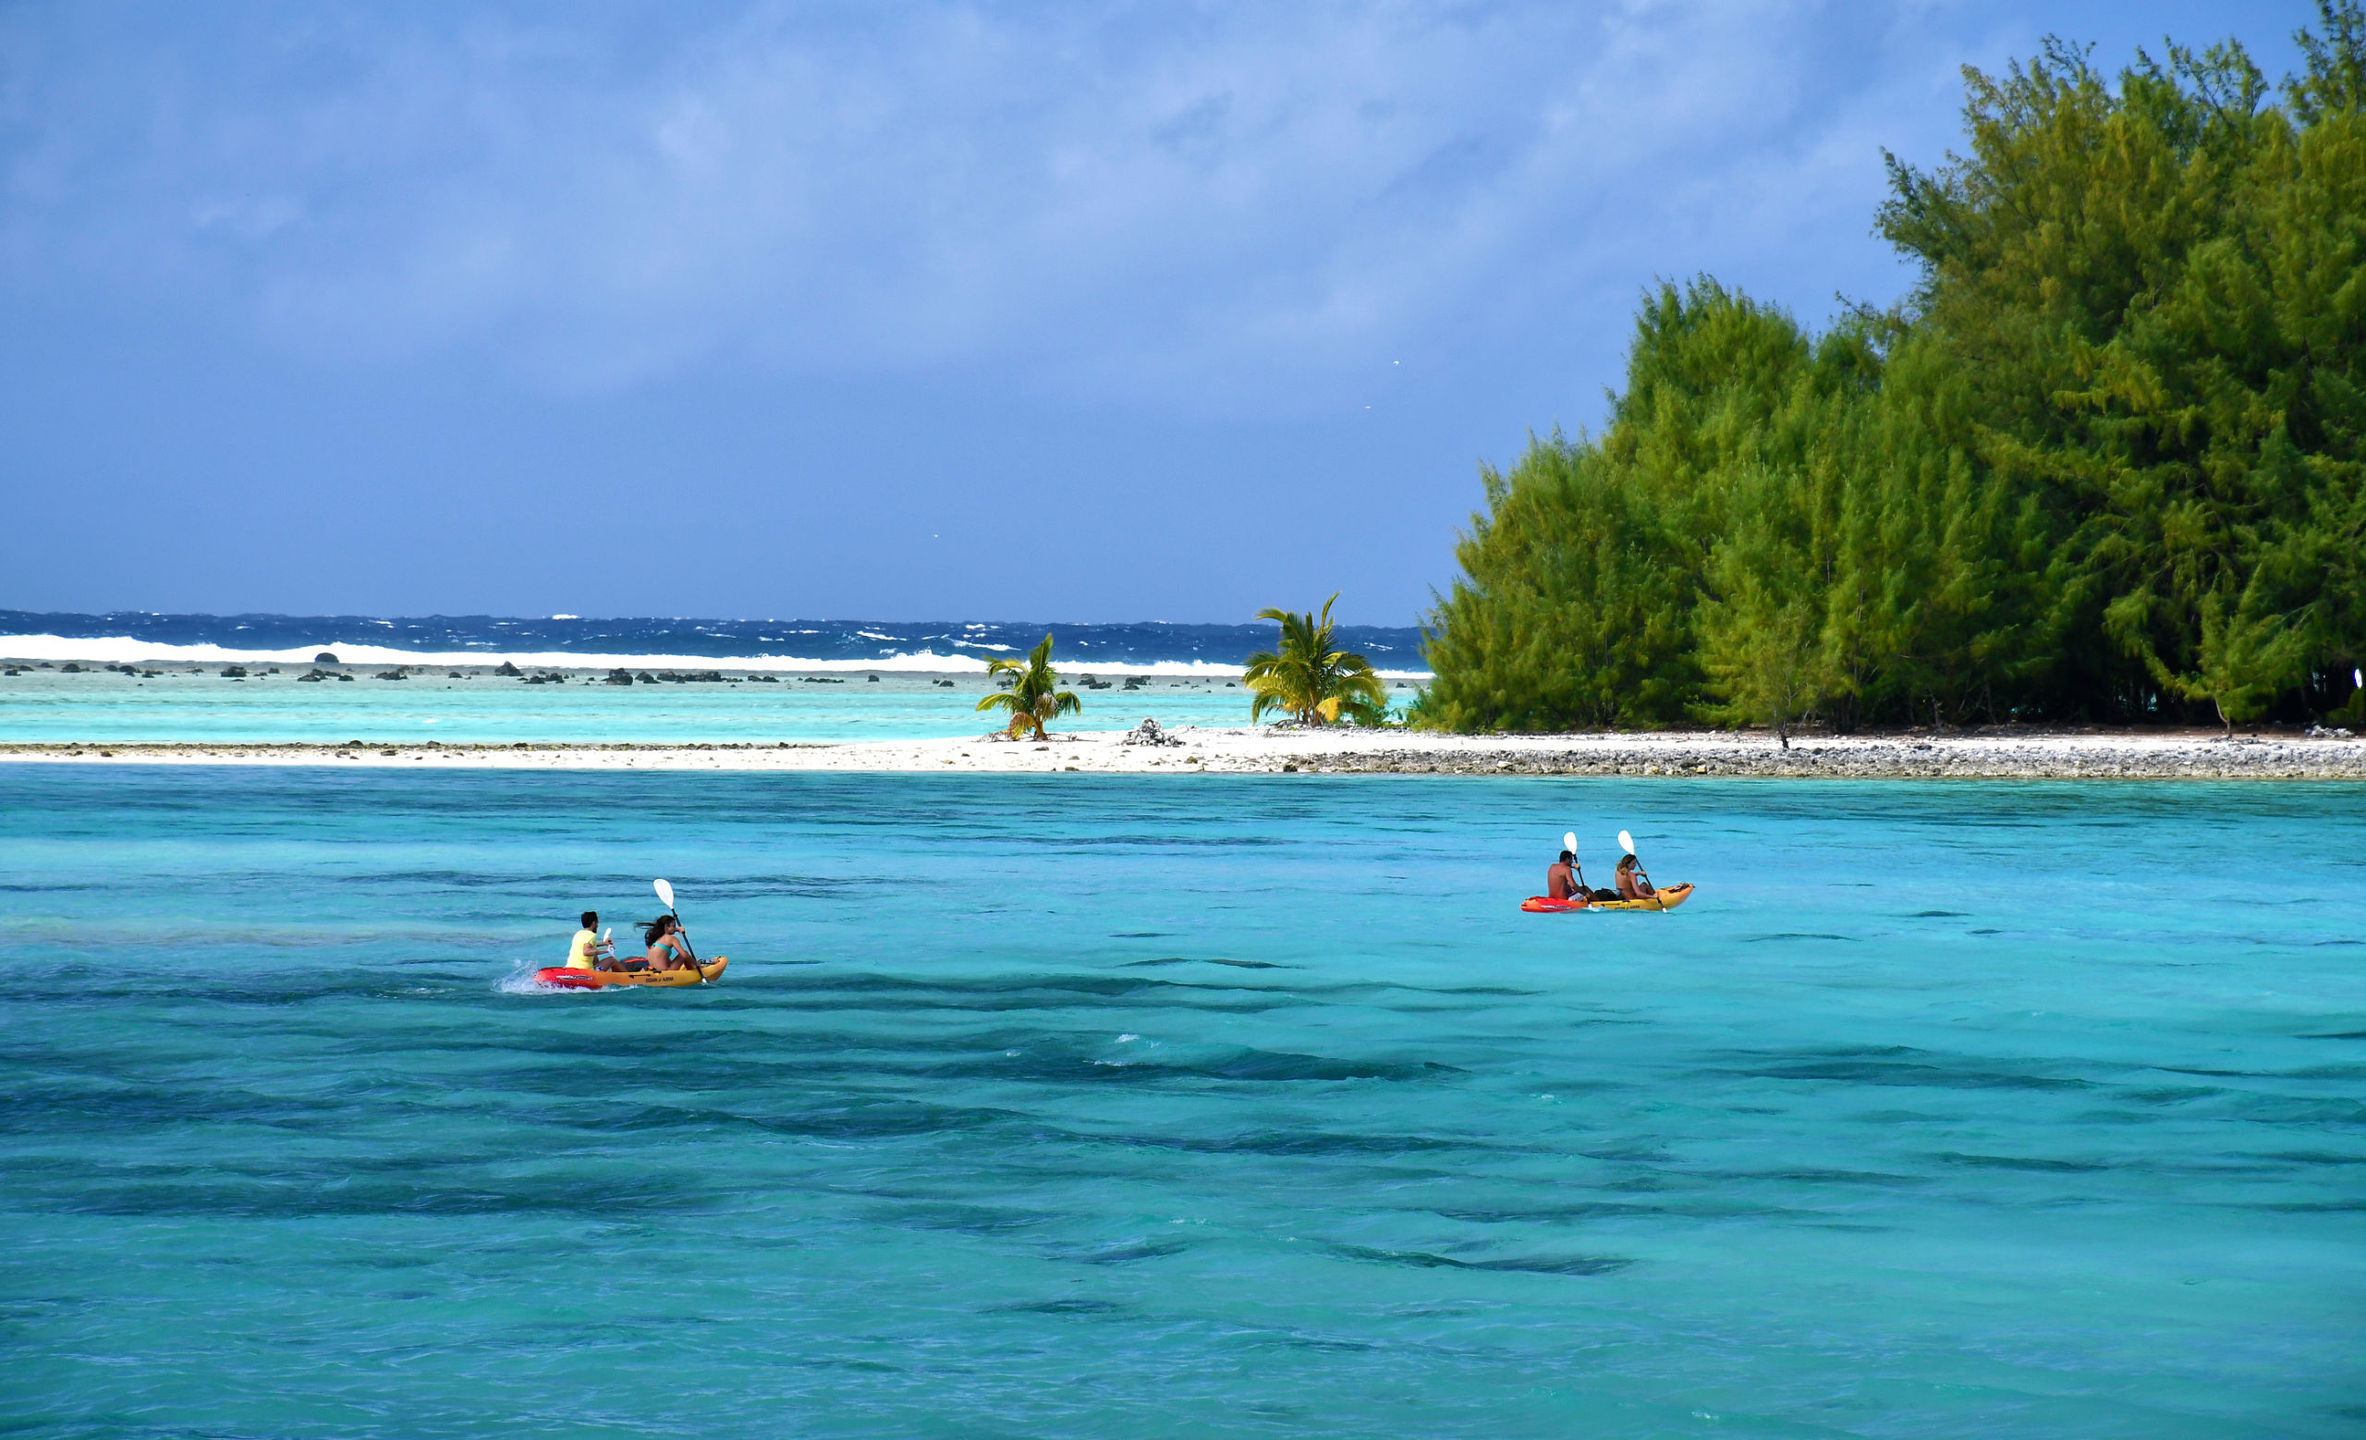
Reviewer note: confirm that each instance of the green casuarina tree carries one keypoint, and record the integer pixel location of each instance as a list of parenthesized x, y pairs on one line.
[(1781, 620), (1576, 606), (1762, 623), (1932, 601), (1573, 606), (2334, 84), (1308, 678), (1034, 695), (2154, 291), (2107, 461)]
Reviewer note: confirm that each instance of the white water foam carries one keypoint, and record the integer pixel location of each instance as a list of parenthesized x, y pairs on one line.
[(125, 649), (521, 981)]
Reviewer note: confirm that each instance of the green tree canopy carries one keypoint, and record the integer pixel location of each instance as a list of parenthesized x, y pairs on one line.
[(2104, 463)]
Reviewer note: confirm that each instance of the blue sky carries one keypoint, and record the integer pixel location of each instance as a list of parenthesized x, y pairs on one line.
[(1092, 312)]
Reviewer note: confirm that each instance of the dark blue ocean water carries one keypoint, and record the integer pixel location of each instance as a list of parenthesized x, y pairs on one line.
[(1083, 1106), (1146, 643)]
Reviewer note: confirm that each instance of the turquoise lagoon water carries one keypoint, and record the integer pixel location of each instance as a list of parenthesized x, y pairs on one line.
[(200, 705), (1088, 1106)]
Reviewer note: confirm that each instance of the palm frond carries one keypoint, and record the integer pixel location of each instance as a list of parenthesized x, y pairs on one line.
[(1033, 694), (1305, 677)]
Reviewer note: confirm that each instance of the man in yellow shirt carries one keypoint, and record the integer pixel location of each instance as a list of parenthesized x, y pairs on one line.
[(583, 952)]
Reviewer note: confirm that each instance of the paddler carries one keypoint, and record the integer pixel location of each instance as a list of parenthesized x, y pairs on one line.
[(1633, 884), (667, 949), (585, 952), (1561, 883)]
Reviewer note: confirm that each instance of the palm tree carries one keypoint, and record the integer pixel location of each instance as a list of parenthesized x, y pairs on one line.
[(1306, 677), (1033, 696)]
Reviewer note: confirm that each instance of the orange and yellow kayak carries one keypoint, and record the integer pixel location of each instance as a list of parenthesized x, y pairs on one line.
[(572, 979), (1667, 899)]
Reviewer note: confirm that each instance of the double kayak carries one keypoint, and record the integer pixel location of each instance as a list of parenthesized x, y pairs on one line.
[(569, 978), (1667, 899)]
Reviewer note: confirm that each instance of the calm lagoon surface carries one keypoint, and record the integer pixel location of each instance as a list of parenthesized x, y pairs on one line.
[(1181, 1106)]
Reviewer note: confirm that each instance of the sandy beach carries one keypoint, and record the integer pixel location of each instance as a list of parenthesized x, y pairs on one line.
[(2195, 755)]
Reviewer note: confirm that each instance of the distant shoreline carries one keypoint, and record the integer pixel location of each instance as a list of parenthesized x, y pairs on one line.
[(2179, 755)]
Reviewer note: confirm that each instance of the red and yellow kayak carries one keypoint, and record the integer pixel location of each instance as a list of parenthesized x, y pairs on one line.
[(1667, 899), (572, 979)]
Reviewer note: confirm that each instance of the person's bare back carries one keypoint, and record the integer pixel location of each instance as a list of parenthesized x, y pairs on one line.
[(1560, 881)]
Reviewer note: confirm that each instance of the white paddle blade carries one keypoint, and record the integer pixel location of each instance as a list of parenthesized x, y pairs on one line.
[(665, 894), (1626, 842), (1569, 842), (607, 935)]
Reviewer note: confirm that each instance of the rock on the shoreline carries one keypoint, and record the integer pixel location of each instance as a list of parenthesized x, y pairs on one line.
[(1241, 751), (1149, 733)]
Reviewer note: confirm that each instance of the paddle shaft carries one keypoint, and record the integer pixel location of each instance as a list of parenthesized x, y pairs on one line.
[(684, 932), (1645, 875)]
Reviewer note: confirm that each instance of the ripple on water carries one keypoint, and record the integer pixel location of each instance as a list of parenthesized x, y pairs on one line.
[(1190, 1094)]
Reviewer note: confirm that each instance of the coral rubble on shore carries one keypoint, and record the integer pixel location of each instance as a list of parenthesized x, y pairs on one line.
[(1995, 755)]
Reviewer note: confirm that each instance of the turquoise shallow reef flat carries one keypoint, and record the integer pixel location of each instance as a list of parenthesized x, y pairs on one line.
[(191, 706), (1098, 1107)]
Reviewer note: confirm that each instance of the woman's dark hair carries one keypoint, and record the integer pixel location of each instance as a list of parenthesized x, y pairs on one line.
[(657, 928), (1626, 862)]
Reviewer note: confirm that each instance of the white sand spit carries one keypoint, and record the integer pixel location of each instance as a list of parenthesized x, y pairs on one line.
[(1232, 751)]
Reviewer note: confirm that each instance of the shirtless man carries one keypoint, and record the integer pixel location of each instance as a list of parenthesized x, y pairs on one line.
[(1560, 881)]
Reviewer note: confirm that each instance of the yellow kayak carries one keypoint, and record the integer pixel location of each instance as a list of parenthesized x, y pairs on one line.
[(573, 979), (1667, 899)]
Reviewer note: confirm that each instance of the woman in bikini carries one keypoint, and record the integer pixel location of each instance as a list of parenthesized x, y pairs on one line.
[(1633, 884), (667, 949)]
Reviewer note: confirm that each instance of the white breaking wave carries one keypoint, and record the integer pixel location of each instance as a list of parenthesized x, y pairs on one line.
[(521, 981), (125, 650)]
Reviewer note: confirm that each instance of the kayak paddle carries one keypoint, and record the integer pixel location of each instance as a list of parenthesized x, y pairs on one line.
[(665, 894), (1569, 843)]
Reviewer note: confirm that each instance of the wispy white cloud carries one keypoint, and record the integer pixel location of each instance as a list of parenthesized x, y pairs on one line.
[(1212, 206)]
